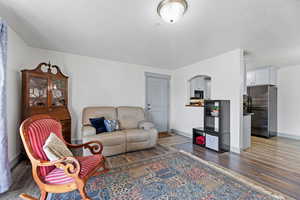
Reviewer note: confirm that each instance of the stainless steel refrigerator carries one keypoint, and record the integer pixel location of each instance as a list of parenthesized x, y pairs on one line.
[(263, 103)]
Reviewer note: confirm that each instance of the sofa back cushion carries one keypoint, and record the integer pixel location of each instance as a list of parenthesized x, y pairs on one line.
[(97, 112), (129, 117)]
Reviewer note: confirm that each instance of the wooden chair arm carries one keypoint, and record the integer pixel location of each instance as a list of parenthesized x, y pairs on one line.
[(70, 165), (95, 147)]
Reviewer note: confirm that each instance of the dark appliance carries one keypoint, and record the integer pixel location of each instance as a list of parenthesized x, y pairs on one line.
[(199, 94), (263, 103), (246, 104)]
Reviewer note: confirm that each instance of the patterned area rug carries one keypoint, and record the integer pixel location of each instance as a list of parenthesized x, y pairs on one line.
[(131, 157), (173, 176)]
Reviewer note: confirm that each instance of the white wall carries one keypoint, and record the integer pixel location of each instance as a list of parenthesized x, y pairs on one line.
[(289, 101), (97, 82), (227, 73), (18, 54)]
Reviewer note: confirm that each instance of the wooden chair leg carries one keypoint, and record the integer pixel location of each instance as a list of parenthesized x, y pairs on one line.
[(43, 195), (83, 194), (104, 168), (27, 197)]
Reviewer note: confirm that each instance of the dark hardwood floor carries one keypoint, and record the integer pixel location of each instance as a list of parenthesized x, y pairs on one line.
[(274, 162)]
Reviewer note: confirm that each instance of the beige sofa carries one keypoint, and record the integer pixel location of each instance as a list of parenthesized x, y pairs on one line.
[(135, 133)]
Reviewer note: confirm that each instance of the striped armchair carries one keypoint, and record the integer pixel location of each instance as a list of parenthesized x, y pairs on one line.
[(66, 174)]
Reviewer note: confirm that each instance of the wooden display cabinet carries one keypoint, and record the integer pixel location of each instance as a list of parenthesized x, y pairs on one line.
[(45, 91)]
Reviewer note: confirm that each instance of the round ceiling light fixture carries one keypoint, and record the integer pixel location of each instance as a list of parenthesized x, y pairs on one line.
[(172, 10)]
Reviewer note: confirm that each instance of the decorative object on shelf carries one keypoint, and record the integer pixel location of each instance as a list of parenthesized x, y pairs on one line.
[(200, 140), (215, 111), (172, 10), (45, 91)]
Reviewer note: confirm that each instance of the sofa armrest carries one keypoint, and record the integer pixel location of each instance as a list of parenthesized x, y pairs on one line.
[(88, 130), (146, 125)]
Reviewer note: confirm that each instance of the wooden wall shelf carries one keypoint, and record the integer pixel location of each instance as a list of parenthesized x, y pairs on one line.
[(194, 106)]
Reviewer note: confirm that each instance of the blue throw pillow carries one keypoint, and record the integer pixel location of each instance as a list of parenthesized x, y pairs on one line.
[(98, 124), (111, 125)]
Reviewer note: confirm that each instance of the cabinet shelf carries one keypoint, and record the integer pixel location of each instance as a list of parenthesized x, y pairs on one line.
[(212, 116)]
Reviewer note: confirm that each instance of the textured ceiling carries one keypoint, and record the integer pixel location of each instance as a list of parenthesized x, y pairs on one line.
[(131, 31)]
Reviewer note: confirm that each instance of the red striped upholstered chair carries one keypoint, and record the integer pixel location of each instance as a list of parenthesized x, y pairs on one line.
[(66, 174)]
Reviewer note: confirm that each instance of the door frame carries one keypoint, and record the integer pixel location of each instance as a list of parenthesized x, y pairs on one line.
[(159, 76)]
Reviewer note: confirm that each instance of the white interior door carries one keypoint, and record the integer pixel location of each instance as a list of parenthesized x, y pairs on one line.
[(157, 100)]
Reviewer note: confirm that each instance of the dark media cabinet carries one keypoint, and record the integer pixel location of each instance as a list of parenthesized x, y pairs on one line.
[(216, 130)]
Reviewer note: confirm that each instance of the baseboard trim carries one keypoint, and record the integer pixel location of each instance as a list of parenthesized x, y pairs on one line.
[(294, 137), (181, 133), (236, 150)]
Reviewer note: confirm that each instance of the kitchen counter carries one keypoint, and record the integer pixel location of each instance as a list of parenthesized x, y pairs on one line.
[(246, 137)]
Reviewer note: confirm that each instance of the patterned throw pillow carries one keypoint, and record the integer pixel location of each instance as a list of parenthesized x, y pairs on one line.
[(111, 125), (55, 148)]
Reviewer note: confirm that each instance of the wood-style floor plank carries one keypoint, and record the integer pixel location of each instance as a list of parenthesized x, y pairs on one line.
[(274, 162)]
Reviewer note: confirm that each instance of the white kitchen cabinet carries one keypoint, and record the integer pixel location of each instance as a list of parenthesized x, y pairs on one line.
[(265, 76), (262, 76), (250, 78)]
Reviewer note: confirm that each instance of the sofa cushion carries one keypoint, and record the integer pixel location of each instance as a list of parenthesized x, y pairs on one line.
[(88, 130), (129, 117), (146, 125), (95, 112), (108, 139), (136, 135)]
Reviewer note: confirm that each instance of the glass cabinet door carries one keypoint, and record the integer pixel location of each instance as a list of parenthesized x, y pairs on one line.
[(38, 96), (58, 92)]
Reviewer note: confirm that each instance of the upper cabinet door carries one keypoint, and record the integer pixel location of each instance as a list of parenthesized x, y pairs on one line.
[(265, 76), (262, 77), (251, 78), (38, 91), (58, 92)]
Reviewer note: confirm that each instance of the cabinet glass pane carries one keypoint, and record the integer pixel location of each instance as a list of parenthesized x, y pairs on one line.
[(58, 84), (58, 93), (38, 92)]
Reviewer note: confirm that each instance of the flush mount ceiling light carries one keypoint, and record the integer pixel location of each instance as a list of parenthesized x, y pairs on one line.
[(172, 10)]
